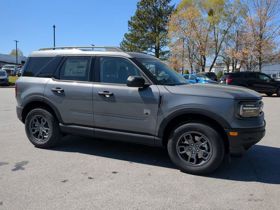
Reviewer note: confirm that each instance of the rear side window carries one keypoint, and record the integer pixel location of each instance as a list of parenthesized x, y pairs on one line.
[(34, 65), (75, 68)]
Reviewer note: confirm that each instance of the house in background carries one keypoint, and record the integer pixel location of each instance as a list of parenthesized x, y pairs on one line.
[(10, 59), (272, 69)]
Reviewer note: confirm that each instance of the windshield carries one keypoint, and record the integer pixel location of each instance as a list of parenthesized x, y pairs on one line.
[(203, 77), (161, 72), (8, 67)]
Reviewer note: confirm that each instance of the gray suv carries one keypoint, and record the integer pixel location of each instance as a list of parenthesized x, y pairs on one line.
[(109, 94)]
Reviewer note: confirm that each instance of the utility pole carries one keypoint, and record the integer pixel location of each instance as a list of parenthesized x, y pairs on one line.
[(16, 51), (183, 54), (54, 37)]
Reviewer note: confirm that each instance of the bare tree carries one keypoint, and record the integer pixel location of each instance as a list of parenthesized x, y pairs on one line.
[(263, 28)]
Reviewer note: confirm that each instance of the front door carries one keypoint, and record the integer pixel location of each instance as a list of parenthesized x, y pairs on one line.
[(119, 107), (264, 84)]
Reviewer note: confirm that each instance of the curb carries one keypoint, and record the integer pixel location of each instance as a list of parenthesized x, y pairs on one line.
[(4, 87)]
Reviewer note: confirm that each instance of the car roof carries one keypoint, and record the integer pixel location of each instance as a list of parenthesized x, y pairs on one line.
[(87, 51), (242, 72), (9, 65)]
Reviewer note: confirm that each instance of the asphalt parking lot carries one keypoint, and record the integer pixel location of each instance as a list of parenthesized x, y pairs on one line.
[(94, 174)]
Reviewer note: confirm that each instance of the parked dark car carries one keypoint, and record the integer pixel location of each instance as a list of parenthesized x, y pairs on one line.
[(210, 75), (257, 81)]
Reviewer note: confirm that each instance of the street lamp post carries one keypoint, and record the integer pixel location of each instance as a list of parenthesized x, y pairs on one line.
[(54, 37), (16, 51)]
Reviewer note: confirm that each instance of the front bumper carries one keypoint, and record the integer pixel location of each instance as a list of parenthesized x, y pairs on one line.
[(246, 138)]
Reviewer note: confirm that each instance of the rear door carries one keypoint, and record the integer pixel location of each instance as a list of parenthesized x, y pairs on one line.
[(71, 91), (249, 80), (119, 107)]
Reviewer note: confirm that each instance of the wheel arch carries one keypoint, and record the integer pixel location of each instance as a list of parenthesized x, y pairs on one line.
[(193, 115), (40, 103)]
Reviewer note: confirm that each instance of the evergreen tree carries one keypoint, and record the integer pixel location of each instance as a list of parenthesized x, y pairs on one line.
[(148, 28)]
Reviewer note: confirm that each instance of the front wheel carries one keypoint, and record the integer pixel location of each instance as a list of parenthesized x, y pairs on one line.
[(278, 92), (42, 128), (196, 148)]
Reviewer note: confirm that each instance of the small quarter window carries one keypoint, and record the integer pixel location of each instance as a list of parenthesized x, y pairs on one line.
[(35, 65)]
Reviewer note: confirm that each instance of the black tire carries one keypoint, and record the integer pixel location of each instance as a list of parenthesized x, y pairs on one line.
[(215, 145), (53, 135), (269, 94), (278, 92)]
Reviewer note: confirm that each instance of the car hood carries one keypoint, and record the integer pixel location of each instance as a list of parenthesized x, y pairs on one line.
[(218, 91)]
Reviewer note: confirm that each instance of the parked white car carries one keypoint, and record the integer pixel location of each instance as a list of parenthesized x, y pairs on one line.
[(11, 69)]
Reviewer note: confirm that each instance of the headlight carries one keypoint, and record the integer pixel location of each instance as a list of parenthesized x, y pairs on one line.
[(251, 109)]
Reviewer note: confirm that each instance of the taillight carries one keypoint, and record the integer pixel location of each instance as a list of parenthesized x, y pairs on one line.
[(229, 80)]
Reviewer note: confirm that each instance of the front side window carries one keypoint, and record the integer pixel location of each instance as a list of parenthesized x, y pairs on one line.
[(116, 70), (75, 68), (161, 72), (264, 77)]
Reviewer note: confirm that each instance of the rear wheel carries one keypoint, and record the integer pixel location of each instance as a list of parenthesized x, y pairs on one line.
[(269, 94), (42, 128), (196, 148)]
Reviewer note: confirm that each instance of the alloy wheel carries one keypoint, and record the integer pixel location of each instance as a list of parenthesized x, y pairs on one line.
[(194, 148)]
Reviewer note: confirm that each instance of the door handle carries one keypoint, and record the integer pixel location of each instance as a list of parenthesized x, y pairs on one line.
[(58, 90), (106, 94)]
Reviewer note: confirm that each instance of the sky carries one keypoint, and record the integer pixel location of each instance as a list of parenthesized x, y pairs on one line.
[(78, 23)]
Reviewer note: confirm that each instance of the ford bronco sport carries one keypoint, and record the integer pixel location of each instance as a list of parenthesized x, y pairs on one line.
[(109, 94)]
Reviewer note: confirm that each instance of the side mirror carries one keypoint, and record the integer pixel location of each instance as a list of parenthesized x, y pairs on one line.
[(135, 81)]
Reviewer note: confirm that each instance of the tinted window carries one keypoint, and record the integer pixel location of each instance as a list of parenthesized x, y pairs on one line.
[(264, 77), (75, 68), (116, 70), (35, 64)]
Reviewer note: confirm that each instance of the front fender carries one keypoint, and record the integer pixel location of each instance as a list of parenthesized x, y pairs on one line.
[(192, 111)]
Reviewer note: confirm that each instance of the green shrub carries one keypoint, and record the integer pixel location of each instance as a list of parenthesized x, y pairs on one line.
[(220, 74), (12, 80)]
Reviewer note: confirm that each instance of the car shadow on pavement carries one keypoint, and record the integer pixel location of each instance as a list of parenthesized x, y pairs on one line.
[(259, 164), (134, 153)]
